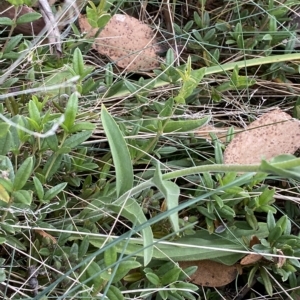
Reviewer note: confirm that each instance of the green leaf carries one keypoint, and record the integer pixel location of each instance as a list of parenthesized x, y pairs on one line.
[(84, 246), (20, 136), (4, 129), (167, 109), (275, 234), (6, 21), (23, 174), (170, 276), (77, 139), (34, 112), (54, 191), (283, 223), (7, 228), (39, 188), (204, 211), (132, 211), (251, 219), (4, 196), (286, 173), (171, 192), (123, 268), (114, 293), (2, 275), (271, 221), (78, 63), (115, 89), (185, 125), (119, 151), (182, 251), (296, 110), (52, 141), (71, 111), (153, 278), (5, 143), (167, 150), (109, 75), (189, 83), (29, 17), (87, 166), (13, 42), (73, 256), (52, 165), (103, 20), (92, 16), (251, 275), (164, 268), (44, 252), (80, 126), (92, 270), (110, 256), (63, 150), (266, 281), (15, 243), (266, 209), (34, 125), (267, 197), (170, 59), (226, 212), (22, 196), (132, 88), (187, 286), (64, 236), (175, 126), (163, 294)]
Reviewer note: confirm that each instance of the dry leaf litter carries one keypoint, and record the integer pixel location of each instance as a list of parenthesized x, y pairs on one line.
[(251, 259), (272, 134), (131, 44), (211, 273)]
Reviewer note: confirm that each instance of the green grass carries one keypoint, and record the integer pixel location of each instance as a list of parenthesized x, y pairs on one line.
[(110, 179)]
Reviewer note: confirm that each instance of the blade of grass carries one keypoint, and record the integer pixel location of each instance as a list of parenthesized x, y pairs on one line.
[(171, 191), (241, 180), (124, 180), (132, 211), (120, 153)]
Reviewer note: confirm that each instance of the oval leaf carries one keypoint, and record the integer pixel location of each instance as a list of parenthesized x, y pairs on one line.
[(29, 17), (185, 125), (211, 273), (54, 191), (23, 173), (71, 109), (6, 21), (132, 211), (3, 194)]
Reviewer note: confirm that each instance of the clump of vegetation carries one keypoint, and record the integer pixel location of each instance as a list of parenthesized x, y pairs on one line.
[(113, 180)]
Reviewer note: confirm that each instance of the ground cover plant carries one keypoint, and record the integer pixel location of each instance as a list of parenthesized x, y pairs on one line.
[(149, 150)]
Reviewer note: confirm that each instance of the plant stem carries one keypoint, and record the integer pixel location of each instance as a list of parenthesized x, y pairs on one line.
[(210, 168), (206, 168), (11, 29), (221, 69), (228, 168)]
